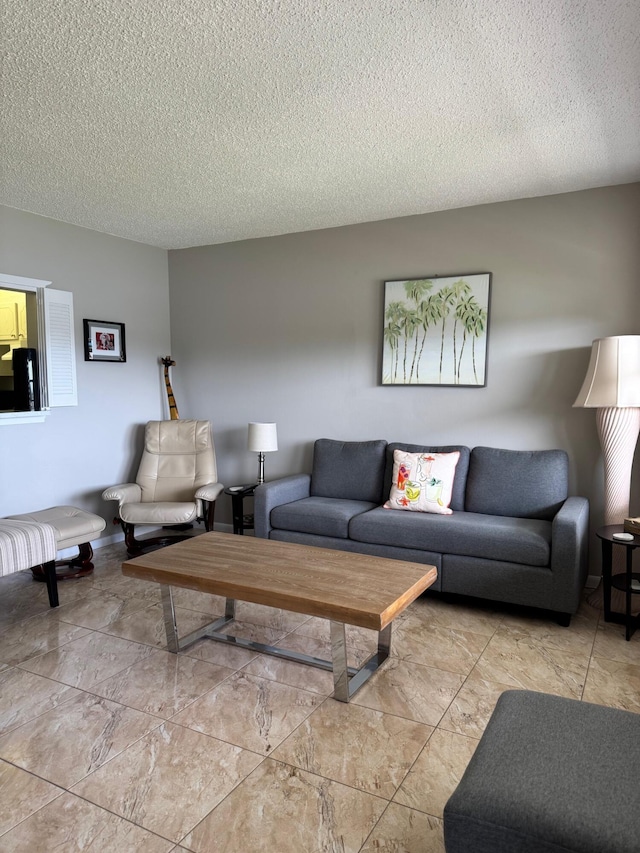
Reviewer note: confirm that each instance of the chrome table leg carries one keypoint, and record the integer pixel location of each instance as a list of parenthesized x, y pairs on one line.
[(346, 679)]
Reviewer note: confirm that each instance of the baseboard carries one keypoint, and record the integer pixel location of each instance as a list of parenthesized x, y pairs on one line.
[(592, 581)]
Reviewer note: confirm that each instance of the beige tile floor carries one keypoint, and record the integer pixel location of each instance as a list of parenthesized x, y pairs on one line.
[(110, 743)]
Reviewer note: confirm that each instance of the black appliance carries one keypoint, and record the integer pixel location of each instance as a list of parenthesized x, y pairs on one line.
[(26, 382)]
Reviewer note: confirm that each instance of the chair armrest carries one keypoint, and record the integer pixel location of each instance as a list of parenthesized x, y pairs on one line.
[(268, 496), (209, 492), (570, 552), (124, 493)]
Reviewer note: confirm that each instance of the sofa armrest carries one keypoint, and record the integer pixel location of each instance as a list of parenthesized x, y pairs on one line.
[(124, 493), (570, 552), (268, 496)]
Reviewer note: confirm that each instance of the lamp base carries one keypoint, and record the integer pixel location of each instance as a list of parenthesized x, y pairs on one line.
[(618, 430)]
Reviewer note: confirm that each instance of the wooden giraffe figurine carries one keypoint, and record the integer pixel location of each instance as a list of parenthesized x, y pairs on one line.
[(173, 408)]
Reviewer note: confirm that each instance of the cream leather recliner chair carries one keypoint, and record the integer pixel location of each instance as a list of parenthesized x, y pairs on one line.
[(176, 482)]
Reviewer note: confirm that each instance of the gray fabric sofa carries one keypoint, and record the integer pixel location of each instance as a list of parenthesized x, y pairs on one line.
[(549, 774), (514, 536)]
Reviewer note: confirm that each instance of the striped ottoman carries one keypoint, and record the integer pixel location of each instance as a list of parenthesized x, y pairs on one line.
[(24, 544), (72, 527)]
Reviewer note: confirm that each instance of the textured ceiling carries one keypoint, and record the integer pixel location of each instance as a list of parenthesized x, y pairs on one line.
[(189, 122)]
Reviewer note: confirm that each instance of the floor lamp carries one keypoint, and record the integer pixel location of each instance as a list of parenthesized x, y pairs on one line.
[(612, 386)]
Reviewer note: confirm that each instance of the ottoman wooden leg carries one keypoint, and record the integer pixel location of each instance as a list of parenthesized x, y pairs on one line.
[(49, 570)]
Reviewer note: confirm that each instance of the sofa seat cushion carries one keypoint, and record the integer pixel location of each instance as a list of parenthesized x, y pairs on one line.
[(515, 540), (321, 516)]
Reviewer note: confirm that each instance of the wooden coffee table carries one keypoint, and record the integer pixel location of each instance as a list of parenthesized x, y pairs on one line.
[(345, 588)]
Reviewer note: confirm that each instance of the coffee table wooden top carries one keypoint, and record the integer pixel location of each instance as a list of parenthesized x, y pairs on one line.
[(352, 588)]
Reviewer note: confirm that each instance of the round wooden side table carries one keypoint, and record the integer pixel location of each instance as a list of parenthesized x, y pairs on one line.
[(241, 521)]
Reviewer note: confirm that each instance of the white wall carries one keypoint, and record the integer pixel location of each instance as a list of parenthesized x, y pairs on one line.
[(81, 450), (290, 328)]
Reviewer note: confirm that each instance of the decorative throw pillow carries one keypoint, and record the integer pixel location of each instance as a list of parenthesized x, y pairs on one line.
[(422, 482)]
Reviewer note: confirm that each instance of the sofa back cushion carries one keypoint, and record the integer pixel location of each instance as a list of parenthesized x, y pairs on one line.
[(517, 483), (352, 470), (459, 481)]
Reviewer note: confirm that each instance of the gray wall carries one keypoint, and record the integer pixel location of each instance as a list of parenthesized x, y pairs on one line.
[(79, 451), (289, 329)]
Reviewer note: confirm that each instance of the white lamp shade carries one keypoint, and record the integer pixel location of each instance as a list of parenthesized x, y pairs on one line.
[(613, 375), (263, 438)]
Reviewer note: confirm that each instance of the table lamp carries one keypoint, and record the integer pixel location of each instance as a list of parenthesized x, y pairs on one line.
[(262, 438), (612, 387)]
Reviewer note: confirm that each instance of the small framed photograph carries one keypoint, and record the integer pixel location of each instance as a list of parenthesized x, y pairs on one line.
[(104, 341)]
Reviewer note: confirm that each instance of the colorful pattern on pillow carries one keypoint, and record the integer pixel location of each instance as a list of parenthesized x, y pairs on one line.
[(422, 482)]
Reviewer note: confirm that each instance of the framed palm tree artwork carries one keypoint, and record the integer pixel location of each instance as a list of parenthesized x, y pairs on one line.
[(436, 330)]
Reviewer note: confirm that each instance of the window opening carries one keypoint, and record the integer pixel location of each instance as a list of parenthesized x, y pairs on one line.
[(37, 348)]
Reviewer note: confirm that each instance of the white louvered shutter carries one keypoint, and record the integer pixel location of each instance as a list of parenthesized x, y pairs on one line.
[(60, 349)]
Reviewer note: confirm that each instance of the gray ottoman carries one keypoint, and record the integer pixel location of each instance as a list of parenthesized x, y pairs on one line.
[(549, 775)]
